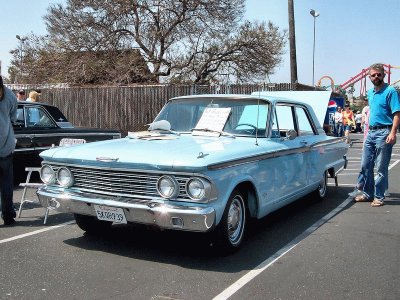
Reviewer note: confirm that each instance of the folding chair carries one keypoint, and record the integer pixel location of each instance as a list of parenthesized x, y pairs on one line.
[(30, 185)]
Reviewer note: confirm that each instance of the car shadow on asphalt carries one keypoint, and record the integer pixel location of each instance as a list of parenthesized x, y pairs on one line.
[(264, 238), (394, 199)]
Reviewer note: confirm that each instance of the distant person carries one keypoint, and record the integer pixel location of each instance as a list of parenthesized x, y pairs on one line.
[(365, 119), (33, 95), (348, 121), (21, 95), (8, 114), (358, 120), (338, 119), (384, 118)]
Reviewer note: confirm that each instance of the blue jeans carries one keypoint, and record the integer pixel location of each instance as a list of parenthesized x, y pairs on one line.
[(7, 188), (376, 152), (339, 129)]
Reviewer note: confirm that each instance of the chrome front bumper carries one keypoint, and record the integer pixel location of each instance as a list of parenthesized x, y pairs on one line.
[(163, 215)]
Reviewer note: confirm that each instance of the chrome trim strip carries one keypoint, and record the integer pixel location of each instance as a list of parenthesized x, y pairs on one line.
[(31, 135), (329, 142), (103, 168), (258, 157), (24, 149), (274, 154)]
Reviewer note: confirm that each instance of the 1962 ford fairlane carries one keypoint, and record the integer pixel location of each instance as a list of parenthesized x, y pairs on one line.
[(208, 163)]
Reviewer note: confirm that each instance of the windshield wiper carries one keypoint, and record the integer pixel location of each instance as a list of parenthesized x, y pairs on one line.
[(212, 130)]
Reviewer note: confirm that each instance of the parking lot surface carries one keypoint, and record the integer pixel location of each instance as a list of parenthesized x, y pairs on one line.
[(330, 249)]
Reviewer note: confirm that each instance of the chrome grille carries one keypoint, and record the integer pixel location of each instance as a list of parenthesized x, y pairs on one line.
[(122, 183)]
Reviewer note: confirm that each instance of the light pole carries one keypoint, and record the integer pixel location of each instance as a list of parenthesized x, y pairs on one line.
[(315, 14), (21, 49)]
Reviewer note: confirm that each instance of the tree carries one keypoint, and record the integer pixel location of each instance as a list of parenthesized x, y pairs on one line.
[(180, 40)]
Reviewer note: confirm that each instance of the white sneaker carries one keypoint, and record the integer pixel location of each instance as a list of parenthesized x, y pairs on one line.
[(356, 192), (387, 194)]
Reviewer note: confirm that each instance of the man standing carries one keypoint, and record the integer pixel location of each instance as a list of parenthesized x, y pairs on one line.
[(8, 114), (384, 118), (21, 95)]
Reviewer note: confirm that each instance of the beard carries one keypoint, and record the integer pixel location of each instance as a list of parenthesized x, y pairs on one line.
[(377, 81)]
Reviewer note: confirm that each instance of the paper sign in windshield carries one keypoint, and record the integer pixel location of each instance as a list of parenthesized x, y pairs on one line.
[(212, 121)]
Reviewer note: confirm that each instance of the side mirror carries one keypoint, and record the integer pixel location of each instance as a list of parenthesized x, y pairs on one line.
[(291, 134)]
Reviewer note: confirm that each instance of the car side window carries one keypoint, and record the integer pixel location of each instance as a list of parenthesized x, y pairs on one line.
[(305, 127), (284, 121), (36, 117), (20, 121)]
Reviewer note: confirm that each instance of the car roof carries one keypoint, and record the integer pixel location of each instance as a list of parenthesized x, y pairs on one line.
[(34, 103)]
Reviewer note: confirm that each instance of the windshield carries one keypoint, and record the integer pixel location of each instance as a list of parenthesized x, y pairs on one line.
[(246, 117)]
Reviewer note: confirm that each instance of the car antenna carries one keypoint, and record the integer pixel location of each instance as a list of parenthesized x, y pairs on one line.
[(258, 114)]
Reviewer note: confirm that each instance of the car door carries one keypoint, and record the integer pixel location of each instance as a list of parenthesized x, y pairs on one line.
[(308, 136), (44, 128), (291, 161)]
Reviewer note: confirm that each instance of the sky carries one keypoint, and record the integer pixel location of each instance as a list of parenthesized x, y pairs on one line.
[(350, 35)]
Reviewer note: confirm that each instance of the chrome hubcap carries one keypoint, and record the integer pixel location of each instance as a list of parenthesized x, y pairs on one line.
[(235, 219), (322, 186)]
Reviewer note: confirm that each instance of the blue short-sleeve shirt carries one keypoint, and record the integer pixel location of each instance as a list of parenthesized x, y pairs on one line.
[(382, 105)]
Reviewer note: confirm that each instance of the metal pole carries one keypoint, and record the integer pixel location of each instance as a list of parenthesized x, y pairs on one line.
[(313, 82), (20, 64), (315, 14)]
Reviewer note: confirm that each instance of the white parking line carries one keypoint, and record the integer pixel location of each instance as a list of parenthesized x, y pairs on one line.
[(280, 253), (249, 276), (35, 232)]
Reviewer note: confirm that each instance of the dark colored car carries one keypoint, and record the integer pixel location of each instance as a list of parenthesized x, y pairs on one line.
[(40, 126)]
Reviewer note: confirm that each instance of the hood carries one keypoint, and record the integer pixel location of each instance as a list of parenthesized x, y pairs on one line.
[(183, 153)]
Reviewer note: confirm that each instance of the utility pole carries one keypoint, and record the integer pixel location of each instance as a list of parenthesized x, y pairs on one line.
[(292, 43)]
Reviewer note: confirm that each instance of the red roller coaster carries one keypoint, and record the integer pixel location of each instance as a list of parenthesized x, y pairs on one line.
[(362, 77)]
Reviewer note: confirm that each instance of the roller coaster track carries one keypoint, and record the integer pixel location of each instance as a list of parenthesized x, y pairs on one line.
[(361, 76)]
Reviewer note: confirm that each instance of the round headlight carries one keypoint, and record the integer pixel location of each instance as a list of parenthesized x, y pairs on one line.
[(65, 177), (167, 187), (196, 188), (47, 174)]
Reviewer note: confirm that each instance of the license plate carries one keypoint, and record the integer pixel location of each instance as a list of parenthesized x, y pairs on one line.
[(71, 142), (111, 214)]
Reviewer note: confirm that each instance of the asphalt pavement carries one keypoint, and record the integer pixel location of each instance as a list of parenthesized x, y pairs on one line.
[(330, 249)]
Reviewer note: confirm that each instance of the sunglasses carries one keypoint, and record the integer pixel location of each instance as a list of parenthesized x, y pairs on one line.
[(376, 75)]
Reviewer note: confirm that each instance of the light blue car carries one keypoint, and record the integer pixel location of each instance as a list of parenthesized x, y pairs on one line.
[(208, 163)]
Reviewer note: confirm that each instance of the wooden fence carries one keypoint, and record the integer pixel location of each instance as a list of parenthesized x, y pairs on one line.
[(130, 108)]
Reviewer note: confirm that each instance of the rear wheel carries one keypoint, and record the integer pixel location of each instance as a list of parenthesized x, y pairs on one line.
[(228, 235), (320, 192), (91, 225)]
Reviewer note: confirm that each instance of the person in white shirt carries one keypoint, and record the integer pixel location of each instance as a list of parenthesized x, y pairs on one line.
[(358, 120), (338, 117)]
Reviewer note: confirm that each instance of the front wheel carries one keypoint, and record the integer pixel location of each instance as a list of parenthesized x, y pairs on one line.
[(230, 231), (91, 225)]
